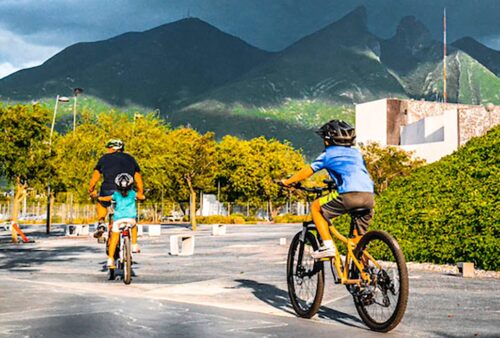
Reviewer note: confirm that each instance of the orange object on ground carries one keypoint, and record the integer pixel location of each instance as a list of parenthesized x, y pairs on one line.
[(19, 231)]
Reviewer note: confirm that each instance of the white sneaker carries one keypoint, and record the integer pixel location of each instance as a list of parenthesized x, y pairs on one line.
[(111, 263), (323, 253)]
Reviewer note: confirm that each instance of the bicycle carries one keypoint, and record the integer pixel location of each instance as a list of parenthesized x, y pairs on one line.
[(379, 287), (123, 252)]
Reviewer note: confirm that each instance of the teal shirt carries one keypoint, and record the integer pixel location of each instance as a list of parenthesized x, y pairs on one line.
[(125, 205)]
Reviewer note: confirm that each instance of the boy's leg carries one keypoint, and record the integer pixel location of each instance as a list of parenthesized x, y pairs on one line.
[(323, 209), (320, 222)]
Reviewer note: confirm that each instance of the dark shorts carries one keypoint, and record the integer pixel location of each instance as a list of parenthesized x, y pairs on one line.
[(335, 204), (104, 193)]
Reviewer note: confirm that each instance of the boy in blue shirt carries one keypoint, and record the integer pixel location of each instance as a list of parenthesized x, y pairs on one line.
[(125, 211), (354, 185)]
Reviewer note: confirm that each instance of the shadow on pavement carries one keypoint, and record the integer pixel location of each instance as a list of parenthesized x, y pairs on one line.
[(278, 298), (17, 257), (268, 293)]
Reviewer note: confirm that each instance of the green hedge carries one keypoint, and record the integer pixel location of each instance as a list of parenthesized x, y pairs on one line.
[(449, 211)]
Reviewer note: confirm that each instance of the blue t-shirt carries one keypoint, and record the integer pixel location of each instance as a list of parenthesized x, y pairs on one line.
[(346, 167), (125, 205)]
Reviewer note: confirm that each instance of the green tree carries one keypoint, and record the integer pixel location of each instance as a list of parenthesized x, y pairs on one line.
[(24, 149), (144, 137), (191, 162), (248, 169), (386, 163)]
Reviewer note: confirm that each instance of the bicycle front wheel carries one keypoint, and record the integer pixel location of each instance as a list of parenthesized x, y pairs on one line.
[(305, 276), (127, 261), (381, 304)]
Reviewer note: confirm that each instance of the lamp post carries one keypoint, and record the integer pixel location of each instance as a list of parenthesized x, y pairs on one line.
[(76, 92), (61, 99)]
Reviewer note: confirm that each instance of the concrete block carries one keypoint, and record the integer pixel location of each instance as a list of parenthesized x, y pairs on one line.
[(466, 269), (84, 230), (283, 241), (218, 229), (154, 230), (186, 243), (72, 230)]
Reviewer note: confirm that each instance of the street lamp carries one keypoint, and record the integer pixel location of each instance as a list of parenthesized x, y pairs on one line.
[(76, 92), (62, 99)]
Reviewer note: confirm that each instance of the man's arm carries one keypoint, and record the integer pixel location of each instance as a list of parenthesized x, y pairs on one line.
[(105, 198), (299, 176), (93, 181), (139, 184)]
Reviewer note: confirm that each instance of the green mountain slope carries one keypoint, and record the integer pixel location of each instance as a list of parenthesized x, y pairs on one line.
[(160, 67), (468, 81), (488, 57), (339, 63), (449, 211)]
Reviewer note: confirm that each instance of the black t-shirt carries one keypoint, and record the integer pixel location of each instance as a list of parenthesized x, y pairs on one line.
[(112, 164)]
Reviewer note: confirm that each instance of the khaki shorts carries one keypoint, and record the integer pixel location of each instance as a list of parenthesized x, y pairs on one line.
[(335, 204)]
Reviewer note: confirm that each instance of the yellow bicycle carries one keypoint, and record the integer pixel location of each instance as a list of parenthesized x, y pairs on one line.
[(373, 271)]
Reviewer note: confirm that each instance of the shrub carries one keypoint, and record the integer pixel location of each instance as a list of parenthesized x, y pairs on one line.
[(448, 211), (289, 218)]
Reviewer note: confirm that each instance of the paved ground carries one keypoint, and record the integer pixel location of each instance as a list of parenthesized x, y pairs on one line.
[(234, 286)]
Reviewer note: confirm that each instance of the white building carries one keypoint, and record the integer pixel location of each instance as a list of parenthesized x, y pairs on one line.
[(430, 129)]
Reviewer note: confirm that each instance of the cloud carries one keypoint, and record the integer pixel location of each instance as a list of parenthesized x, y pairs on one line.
[(16, 53), (492, 41)]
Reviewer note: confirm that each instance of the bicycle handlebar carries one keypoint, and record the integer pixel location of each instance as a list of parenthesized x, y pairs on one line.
[(314, 190)]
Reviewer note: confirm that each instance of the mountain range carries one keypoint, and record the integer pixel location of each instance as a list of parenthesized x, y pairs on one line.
[(194, 73)]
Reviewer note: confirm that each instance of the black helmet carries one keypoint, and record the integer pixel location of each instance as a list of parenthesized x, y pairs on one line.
[(115, 144), (124, 181), (337, 132)]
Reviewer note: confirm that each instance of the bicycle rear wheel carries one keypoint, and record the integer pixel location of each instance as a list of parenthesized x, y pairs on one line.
[(127, 261), (381, 304), (305, 276)]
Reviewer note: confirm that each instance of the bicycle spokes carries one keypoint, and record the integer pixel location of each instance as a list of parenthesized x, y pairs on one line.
[(381, 299)]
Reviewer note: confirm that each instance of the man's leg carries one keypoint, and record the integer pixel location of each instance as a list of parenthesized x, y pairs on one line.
[(135, 246), (113, 242), (101, 218)]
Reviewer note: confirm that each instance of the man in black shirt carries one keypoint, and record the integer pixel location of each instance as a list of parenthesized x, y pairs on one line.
[(110, 165)]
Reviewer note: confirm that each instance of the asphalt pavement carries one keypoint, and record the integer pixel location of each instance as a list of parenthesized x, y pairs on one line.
[(233, 286)]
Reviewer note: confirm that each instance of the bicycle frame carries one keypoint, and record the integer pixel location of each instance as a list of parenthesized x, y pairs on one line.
[(124, 232), (342, 268)]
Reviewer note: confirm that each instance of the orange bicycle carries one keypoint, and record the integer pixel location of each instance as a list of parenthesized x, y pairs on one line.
[(373, 271)]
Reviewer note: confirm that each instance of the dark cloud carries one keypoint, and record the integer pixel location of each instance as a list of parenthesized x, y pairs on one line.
[(269, 24)]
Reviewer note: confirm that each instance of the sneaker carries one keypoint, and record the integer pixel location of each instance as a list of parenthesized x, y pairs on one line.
[(323, 253), (100, 230), (111, 263), (136, 248)]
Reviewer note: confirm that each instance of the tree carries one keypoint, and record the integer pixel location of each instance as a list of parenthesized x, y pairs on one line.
[(24, 149), (248, 169), (144, 137), (192, 162), (386, 163)]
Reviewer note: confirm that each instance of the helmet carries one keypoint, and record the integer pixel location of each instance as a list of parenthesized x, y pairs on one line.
[(124, 181), (337, 132), (115, 144)]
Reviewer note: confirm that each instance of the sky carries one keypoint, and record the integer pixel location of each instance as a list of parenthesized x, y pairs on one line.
[(31, 31)]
